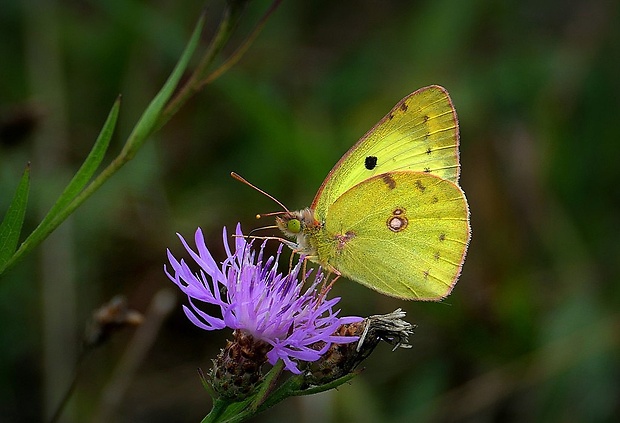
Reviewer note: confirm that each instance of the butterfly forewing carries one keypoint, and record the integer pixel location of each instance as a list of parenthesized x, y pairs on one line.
[(403, 234), (419, 134)]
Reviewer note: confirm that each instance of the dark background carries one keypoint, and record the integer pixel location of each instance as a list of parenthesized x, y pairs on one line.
[(531, 331)]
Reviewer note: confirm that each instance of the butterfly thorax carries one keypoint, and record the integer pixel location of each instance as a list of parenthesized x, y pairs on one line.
[(302, 227)]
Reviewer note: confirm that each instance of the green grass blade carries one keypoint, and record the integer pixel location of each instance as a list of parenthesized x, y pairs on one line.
[(75, 186), (148, 121), (88, 168), (11, 226)]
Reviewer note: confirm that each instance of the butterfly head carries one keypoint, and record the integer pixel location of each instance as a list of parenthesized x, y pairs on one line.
[(298, 225), (294, 223)]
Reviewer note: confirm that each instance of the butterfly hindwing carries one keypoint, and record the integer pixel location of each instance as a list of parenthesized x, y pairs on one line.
[(401, 233)]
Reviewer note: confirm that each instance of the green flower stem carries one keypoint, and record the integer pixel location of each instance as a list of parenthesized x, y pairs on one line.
[(322, 388), (292, 388), (266, 397), (229, 411), (236, 412), (219, 407)]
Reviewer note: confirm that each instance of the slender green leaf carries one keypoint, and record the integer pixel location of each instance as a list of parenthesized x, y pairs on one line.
[(11, 226), (148, 121), (51, 221), (88, 168)]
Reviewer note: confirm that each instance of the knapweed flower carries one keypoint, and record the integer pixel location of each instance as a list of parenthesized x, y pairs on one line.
[(299, 325)]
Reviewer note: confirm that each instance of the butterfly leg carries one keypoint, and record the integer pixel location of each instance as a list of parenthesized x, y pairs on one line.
[(290, 261), (303, 270), (325, 288)]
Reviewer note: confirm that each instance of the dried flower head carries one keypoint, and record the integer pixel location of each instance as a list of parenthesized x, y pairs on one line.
[(341, 360), (109, 318)]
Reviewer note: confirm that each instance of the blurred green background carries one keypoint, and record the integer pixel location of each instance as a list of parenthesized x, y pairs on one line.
[(532, 329)]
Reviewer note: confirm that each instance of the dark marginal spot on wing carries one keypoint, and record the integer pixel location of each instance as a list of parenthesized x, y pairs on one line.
[(435, 199), (436, 255), (442, 237), (425, 273), (425, 118), (404, 107), (390, 116), (389, 181), (429, 151), (427, 169), (371, 162), (420, 186)]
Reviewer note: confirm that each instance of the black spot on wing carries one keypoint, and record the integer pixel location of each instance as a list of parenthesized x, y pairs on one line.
[(370, 162)]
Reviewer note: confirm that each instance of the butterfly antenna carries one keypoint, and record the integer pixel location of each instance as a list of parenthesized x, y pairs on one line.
[(275, 238), (245, 181), (250, 235), (259, 215)]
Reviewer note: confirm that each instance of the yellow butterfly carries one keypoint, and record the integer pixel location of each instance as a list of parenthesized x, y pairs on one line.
[(390, 214)]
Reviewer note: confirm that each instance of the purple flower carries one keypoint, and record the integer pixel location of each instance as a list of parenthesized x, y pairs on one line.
[(254, 298)]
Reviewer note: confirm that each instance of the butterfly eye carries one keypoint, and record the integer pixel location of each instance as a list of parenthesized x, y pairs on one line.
[(294, 226)]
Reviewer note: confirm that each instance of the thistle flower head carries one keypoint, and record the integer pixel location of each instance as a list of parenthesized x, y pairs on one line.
[(254, 298)]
